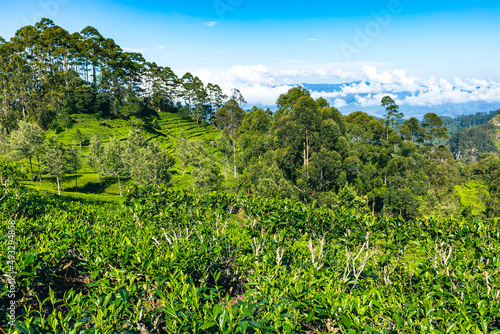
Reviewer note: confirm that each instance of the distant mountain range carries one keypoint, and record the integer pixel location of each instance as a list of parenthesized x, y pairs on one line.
[(351, 105)]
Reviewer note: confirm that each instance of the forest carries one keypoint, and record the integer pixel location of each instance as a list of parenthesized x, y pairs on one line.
[(305, 150), (146, 202)]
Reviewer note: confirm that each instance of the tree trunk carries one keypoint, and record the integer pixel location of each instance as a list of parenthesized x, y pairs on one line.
[(31, 169), (39, 171), (234, 159), (58, 186), (76, 181), (373, 207), (119, 185), (100, 180)]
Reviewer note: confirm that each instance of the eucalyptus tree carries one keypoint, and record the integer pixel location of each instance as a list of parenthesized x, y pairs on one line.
[(56, 163), (216, 97), (188, 92), (237, 96), (307, 140), (91, 48), (411, 129), (285, 102), (200, 99), (114, 162), (161, 86), (392, 113), (229, 119), (154, 165), (435, 131), (28, 142)]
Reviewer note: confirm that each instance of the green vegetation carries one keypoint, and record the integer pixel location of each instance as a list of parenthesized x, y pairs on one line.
[(172, 261), (123, 120), (468, 121), (165, 207)]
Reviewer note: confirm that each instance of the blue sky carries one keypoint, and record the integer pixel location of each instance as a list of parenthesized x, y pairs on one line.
[(264, 47)]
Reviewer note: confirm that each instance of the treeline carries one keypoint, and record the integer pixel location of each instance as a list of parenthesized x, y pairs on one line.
[(471, 143), (468, 121), (305, 150), (48, 73), (310, 151)]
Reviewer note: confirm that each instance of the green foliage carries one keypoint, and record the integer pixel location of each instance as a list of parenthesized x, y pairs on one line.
[(175, 261), (115, 162), (56, 162), (468, 121), (392, 113), (74, 163), (469, 144), (10, 180), (285, 102), (4, 141), (488, 173), (27, 141)]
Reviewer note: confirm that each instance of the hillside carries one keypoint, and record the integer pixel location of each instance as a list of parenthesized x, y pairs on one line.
[(170, 127), (496, 122), (470, 143), (468, 121)]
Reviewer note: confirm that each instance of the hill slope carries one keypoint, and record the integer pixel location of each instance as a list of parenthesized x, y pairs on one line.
[(171, 126)]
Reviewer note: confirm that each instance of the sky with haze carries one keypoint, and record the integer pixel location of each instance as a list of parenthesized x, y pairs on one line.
[(438, 51)]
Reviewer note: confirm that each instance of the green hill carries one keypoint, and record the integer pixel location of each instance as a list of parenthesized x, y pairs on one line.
[(496, 134), (169, 131)]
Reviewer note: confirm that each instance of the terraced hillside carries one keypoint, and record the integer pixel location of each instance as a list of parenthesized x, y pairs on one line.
[(170, 128)]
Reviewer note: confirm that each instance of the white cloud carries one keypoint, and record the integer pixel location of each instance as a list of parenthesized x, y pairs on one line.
[(260, 84), (161, 47), (210, 24), (339, 103)]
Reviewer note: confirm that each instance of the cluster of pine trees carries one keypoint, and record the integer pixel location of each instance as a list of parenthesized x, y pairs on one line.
[(306, 149)]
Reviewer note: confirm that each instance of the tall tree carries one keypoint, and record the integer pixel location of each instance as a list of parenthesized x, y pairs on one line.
[(79, 137), (392, 113), (411, 129), (114, 163), (229, 119), (27, 141), (285, 102), (238, 97), (435, 132), (200, 98), (56, 164), (216, 97)]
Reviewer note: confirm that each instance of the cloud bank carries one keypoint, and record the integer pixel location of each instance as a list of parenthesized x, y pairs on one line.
[(364, 85)]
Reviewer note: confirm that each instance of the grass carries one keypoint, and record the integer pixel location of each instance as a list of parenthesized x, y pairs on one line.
[(171, 126)]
